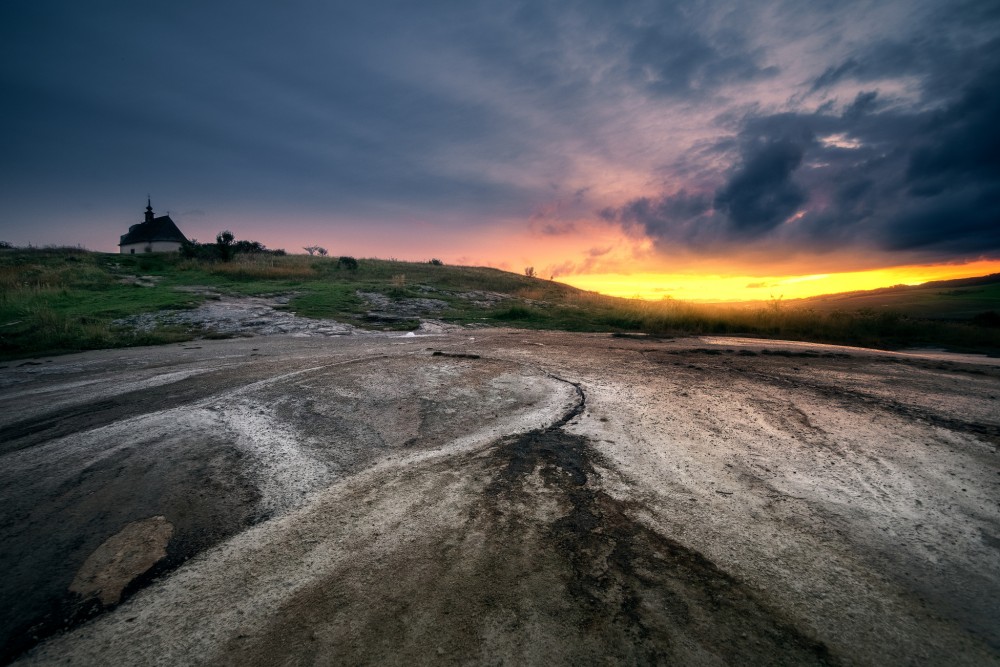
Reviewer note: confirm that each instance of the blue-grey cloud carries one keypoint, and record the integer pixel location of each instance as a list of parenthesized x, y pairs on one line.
[(761, 193), (693, 50), (896, 176), (962, 142), (871, 119)]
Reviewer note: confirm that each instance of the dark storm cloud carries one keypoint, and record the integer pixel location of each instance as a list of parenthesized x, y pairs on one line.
[(962, 142), (864, 102), (675, 55), (882, 60), (761, 193), (961, 222), (706, 124), (922, 176), (758, 195), (928, 180), (648, 211), (950, 48)]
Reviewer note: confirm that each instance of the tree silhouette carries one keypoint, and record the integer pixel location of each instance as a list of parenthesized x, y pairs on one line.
[(224, 244)]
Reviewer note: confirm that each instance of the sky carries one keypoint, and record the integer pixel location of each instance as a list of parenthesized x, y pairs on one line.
[(697, 150)]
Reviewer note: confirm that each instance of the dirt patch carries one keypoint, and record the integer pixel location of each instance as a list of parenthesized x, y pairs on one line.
[(122, 558)]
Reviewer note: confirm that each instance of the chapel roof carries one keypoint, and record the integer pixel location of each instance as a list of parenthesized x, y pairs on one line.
[(153, 229)]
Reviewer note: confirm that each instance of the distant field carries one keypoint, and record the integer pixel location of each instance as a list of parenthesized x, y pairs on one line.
[(62, 300), (953, 299)]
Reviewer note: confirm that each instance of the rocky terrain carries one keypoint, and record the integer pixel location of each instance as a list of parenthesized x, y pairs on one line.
[(498, 496), (224, 316)]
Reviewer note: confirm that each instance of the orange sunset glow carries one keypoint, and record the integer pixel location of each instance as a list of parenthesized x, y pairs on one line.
[(730, 288)]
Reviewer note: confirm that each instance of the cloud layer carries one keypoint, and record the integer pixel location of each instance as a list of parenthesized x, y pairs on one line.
[(627, 132)]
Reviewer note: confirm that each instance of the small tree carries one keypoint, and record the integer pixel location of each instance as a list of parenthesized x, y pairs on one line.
[(529, 271), (316, 250), (322, 252), (436, 262), (224, 245)]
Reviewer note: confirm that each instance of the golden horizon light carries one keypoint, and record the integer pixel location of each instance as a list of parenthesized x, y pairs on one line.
[(721, 288)]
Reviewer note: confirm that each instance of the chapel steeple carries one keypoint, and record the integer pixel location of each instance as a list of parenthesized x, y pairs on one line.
[(149, 210)]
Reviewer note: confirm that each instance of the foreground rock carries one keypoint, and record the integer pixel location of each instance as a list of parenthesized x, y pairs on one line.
[(225, 317), (517, 498)]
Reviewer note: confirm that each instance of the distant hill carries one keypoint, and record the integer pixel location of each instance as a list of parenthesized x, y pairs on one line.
[(959, 299)]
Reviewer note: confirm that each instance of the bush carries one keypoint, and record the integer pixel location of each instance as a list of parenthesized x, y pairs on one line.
[(249, 247), (226, 247), (436, 262), (194, 250), (348, 263)]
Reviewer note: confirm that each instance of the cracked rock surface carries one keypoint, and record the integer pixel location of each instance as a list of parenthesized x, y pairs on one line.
[(509, 498), (240, 316)]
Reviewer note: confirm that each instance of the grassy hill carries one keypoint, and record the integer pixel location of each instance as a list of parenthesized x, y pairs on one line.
[(58, 300), (961, 299), (66, 299)]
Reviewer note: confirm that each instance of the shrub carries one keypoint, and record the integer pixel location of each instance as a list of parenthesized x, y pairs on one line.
[(226, 247), (194, 250), (348, 263)]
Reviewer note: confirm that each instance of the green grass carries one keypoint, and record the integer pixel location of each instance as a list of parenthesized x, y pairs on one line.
[(951, 300), (64, 299)]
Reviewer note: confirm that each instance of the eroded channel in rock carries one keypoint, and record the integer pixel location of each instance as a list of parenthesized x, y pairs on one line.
[(650, 599)]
